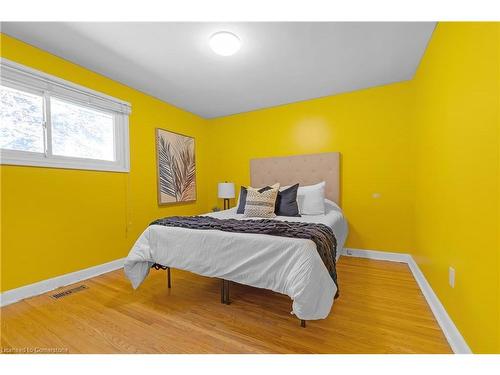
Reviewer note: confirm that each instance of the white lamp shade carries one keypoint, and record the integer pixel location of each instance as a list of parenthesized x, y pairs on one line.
[(226, 190)]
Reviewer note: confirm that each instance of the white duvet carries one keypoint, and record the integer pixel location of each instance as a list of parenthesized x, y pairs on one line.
[(291, 266)]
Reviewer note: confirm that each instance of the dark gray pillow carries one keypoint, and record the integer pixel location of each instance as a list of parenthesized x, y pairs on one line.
[(286, 202)]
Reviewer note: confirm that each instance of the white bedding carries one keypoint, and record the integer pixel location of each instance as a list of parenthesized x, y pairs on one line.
[(291, 266)]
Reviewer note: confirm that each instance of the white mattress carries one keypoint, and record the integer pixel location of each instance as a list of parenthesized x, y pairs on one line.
[(291, 266)]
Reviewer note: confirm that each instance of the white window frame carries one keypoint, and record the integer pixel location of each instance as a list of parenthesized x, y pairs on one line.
[(26, 79)]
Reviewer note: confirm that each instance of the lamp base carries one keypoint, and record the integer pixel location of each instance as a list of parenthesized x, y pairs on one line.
[(226, 204)]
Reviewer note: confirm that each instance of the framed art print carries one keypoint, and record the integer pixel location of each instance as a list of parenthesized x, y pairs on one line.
[(176, 167)]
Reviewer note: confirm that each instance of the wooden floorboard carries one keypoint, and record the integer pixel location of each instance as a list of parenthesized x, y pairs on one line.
[(380, 310)]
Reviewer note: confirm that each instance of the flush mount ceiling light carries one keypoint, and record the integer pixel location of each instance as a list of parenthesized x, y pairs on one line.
[(225, 43)]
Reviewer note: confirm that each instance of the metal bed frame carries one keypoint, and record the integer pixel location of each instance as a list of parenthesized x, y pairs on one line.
[(224, 288)]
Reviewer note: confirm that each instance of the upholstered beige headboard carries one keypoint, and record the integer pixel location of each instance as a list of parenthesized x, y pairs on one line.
[(304, 169)]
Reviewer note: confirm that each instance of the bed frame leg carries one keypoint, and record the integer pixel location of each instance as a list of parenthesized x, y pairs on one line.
[(227, 291), (303, 323), (169, 283), (222, 291)]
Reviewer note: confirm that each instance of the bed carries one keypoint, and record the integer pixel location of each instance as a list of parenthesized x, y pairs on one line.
[(290, 266)]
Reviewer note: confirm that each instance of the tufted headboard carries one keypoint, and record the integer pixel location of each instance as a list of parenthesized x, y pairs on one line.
[(304, 169)]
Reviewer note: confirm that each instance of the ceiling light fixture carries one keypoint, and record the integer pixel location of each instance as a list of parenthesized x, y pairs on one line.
[(225, 43)]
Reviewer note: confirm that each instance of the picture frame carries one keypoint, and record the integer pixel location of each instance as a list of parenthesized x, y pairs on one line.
[(175, 167)]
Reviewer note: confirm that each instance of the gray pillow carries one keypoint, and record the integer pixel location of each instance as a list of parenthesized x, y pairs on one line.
[(286, 202)]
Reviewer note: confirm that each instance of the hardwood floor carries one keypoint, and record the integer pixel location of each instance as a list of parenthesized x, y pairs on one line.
[(380, 310)]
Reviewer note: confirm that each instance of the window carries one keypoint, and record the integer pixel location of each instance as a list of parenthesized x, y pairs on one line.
[(46, 121)]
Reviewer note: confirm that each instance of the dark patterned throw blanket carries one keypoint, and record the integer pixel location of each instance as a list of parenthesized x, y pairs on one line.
[(320, 234)]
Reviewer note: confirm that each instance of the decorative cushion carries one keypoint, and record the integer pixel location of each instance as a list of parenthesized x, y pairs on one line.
[(286, 202), (261, 203), (243, 198)]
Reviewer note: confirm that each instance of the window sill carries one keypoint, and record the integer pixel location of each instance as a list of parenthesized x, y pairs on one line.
[(62, 163)]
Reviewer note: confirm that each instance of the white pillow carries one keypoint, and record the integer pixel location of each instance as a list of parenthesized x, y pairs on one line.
[(311, 199)]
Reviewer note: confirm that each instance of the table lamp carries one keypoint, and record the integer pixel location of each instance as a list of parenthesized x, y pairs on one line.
[(226, 192)]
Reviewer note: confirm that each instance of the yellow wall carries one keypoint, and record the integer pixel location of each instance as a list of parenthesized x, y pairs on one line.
[(56, 221), (369, 128), (457, 186)]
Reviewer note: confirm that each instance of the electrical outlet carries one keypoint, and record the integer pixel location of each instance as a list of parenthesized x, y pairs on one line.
[(451, 276), (376, 195)]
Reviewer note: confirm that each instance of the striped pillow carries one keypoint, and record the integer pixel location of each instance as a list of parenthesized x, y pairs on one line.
[(261, 203)]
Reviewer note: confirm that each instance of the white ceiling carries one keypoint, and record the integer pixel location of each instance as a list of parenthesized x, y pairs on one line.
[(278, 63)]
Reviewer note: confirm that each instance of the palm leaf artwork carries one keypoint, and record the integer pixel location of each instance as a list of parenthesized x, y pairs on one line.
[(177, 168)]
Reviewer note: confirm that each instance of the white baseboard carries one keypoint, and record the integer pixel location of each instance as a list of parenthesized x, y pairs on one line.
[(451, 332), (375, 254), (14, 295)]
